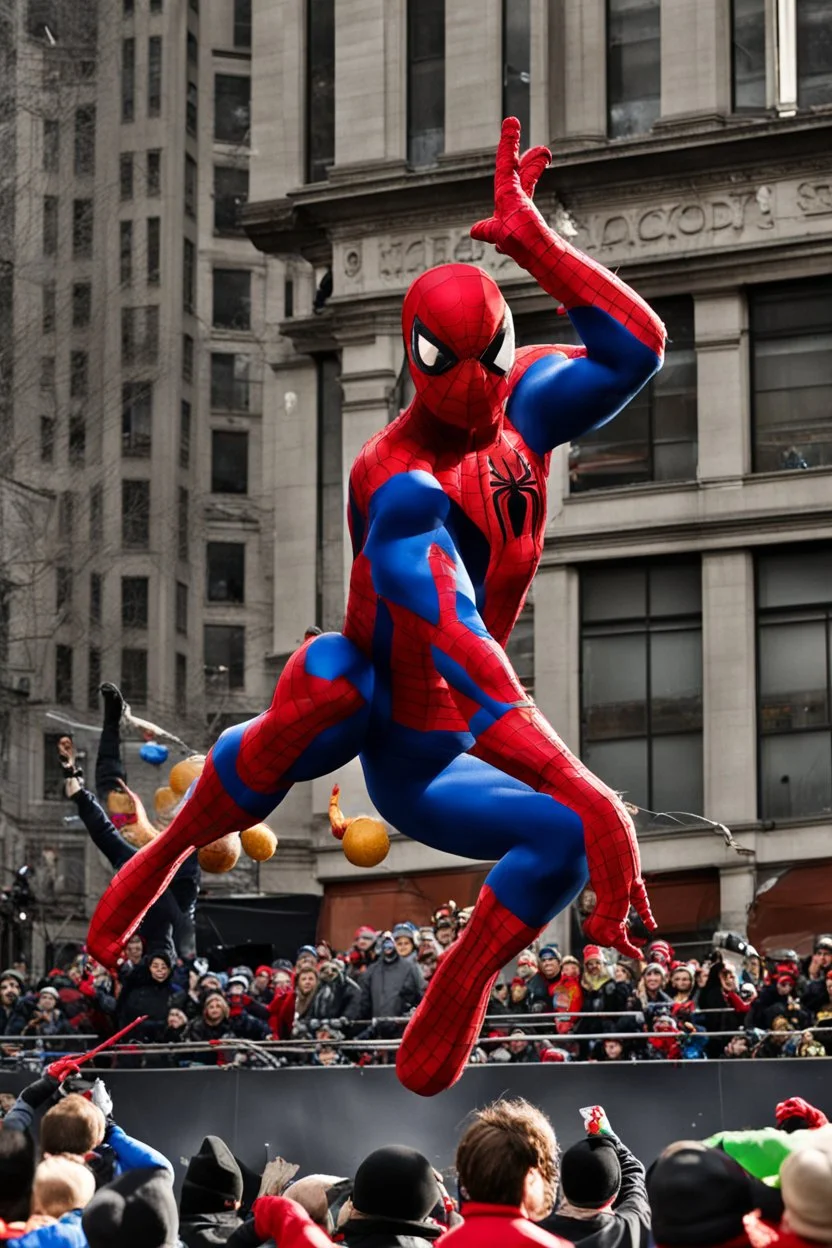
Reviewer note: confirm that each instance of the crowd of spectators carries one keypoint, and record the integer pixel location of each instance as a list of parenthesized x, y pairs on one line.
[(329, 1009), (70, 1177)]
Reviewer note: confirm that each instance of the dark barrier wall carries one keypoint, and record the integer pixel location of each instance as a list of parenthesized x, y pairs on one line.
[(328, 1119)]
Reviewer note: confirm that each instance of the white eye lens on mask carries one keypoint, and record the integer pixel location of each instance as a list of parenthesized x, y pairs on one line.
[(428, 351)]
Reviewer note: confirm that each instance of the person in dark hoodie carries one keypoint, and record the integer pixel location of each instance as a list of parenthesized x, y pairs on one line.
[(336, 996), (212, 1193), (604, 1196), (390, 988)]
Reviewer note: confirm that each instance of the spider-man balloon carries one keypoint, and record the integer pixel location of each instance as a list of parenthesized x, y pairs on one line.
[(447, 509)]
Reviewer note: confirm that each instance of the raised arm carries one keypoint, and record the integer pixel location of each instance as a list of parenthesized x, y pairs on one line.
[(554, 398)]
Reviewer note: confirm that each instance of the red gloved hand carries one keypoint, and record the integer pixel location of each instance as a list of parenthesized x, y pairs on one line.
[(796, 1107), (86, 986), (515, 178), (62, 1069)]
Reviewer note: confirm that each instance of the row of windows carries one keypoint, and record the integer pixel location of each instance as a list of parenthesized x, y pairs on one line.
[(641, 682), (224, 670), (81, 306), (84, 142), (242, 18), (655, 437), (633, 69), (82, 227), (232, 92), (225, 582)]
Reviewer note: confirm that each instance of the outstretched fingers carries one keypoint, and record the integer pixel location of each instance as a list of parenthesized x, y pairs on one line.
[(486, 231), (508, 152), (642, 904), (532, 164)]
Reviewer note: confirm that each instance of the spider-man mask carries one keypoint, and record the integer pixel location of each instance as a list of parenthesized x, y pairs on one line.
[(459, 338)]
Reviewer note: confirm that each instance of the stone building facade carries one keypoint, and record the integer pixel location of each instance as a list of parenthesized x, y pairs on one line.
[(681, 627)]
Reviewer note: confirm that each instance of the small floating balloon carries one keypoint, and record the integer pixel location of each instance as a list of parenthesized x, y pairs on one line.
[(221, 855), (165, 799), (366, 842), (153, 753), (259, 842), (182, 775)]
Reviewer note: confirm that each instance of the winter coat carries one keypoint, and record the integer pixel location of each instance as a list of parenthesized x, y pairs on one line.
[(539, 993), (339, 999), (286, 1224), (24, 1021), (208, 1230), (67, 1232), (497, 1226), (733, 1010), (381, 1233), (816, 997), (390, 988), (627, 1225), (142, 994)]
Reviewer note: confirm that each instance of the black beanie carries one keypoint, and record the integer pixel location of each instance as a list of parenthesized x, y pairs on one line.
[(137, 1210), (590, 1173), (164, 955), (698, 1197), (213, 1177), (17, 1170), (395, 1183)]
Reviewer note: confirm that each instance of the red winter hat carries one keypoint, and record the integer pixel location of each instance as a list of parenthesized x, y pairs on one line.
[(518, 979), (263, 970), (552, 1055), (592, 952), (364, 931)]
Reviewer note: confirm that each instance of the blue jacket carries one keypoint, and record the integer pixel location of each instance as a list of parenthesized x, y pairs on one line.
[(67, 1232)]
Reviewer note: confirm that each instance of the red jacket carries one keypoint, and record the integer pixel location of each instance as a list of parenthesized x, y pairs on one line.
[(497, 1226)]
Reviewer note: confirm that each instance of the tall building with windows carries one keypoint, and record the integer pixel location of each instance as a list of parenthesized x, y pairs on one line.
[(679, 635), (131, 398)]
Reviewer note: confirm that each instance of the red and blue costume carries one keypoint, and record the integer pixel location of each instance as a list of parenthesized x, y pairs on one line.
[(447, 510)]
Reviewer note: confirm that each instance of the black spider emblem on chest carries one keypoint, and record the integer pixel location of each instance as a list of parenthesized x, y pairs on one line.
[(513, 489)]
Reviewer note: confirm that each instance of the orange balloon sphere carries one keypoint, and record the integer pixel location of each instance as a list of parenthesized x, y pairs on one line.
[(259, 842), (182, 775), (366, 842), (165, 799), (221, 855)]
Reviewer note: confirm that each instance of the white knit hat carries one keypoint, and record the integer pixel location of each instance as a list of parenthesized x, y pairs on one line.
[(806, 1184)]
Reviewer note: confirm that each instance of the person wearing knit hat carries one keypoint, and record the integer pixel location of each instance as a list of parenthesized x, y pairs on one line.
[(604, 1197), (699, 1197), (651, 989), (212, 1192), (261, 985), (137, 1210), (405, 940), (595, 973)]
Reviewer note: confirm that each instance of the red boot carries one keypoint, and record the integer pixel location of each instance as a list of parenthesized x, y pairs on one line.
[(208, 814), (443, 1031)]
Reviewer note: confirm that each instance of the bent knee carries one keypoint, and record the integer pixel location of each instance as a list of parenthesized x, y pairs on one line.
[(332, 656)]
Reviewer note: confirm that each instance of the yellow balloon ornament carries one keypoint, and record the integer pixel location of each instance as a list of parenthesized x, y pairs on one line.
[(363, 838)]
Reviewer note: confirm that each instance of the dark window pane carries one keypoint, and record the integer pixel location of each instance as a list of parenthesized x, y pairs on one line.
[(155, 6), (126, 252), (614, 687), (188, 276), (181, 684), (48, 307), (63, 674), (82, 219), (81, 304), (139, 335), (191, 101), (96, 513), (242, 23), (623, 766), (50, 225), (425, 81), (183, 530), (128, 79), (655, 437), (633, 66), (230, 382), (77, 439), (78, 374), (814, 53), (224, 656), (795, 578), (320, 88), (226, 571), (154, 75), (190, 186), (63, 588), (93, 677), (126, 175), (181, 609), (134, 676), (184, 434), (229, 462), (232, 299), (796, 775), (154, 172), (230, 193), (47, 439), (517, 62), (135, 514), (187, 357), (749, 53), (154, 245), (51, 145), (791, 342), (134, 601), (136, 419), (232, 108), (95, 598), (793, 678), (192, 48), (53, 776), (678, 781), (85, 140)]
